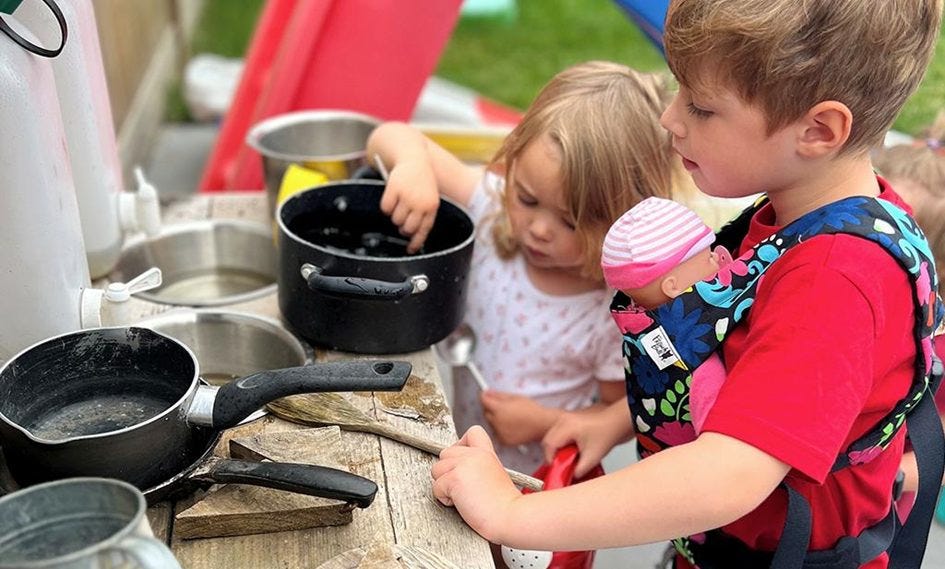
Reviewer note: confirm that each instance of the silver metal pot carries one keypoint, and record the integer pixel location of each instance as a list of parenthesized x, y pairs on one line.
[(330, 141), (229, 345), (204, 263)]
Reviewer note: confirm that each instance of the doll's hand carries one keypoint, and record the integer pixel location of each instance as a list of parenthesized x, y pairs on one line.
[(411, 199), (516, 419), (470, 477), (594, 431)]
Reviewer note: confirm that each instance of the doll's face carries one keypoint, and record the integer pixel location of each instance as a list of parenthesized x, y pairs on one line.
[(699, 267)]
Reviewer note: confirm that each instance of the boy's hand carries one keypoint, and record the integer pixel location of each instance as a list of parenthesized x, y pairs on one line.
[(411, 199), (470, 477), (594, 431), (516, 419)]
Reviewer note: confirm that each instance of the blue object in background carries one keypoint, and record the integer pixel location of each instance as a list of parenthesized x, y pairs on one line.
[(940, 509), (649, 15)]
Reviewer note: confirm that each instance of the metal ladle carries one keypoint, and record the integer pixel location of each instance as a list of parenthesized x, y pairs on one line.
[(457, 350)]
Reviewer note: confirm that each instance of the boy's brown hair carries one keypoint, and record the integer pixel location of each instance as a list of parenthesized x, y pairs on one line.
[(785, 56), (604, 118)]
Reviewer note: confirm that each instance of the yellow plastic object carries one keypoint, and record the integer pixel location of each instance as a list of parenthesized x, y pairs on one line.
[(296, 179), (470, 144)]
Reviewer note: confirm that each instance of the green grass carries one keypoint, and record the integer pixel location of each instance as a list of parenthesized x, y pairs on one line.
[(225, 28), (509, 62)]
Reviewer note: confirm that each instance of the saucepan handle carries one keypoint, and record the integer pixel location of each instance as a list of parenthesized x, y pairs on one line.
[(362, 288), (236, 400), (307, 479)]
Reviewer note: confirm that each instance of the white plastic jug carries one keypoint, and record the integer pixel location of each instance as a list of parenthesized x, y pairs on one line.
[(43, 267), (87, 118)]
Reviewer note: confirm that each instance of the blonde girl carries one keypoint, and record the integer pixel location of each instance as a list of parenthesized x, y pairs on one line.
[(589, 148)]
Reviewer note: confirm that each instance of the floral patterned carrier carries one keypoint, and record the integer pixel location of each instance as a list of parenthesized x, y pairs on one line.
[(662, 347)]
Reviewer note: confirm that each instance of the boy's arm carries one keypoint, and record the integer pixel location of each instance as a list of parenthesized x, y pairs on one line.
[(683, 490)]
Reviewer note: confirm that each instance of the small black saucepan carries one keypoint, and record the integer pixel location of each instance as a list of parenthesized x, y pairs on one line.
[(128, 403), (347, 282)]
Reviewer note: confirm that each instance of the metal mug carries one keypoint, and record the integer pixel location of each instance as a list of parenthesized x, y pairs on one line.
[(79, 523)]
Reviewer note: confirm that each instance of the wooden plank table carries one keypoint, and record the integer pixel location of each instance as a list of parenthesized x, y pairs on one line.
[(404, 511)]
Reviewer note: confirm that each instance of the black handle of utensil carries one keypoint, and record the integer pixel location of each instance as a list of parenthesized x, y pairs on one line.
[(308, 479), (359, 288), (237, 399)]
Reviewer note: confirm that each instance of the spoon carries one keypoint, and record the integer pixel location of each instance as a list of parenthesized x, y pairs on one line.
[(457, 350)]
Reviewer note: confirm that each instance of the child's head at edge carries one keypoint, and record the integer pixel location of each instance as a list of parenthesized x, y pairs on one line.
[(917, 171), (786, 56), (604, 119)]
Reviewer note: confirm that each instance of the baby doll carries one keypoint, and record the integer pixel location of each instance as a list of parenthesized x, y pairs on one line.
[(654, 252)]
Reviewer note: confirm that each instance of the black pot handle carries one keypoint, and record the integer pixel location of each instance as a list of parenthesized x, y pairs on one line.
[(360, 288), (237, 399), (308, 479)]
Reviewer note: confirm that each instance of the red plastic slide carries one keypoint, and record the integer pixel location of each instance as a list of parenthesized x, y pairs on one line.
[(370, 56)]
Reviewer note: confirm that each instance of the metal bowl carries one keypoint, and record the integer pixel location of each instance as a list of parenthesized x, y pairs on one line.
[(229, 345), (330, 141), (204, 263)]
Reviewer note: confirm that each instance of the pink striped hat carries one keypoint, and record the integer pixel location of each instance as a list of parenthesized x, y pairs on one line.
[(648, 240)]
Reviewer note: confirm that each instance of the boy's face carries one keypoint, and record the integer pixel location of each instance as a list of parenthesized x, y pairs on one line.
[(724, 143)]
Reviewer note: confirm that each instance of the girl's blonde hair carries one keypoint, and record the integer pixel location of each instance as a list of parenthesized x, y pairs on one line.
[(923, 164), (604, 117)]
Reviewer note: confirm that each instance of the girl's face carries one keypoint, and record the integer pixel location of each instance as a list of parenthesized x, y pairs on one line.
[(541, 222), (725, 145)]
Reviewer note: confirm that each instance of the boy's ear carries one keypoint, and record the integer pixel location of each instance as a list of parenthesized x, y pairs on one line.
[(824, 129)]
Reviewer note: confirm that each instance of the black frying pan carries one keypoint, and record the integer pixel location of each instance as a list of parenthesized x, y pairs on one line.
[(128, 403), (206, 470)]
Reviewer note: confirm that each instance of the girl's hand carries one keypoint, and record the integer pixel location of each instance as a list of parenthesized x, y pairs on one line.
[(411, 199), (516, 419), (595, 432), (470, 477)]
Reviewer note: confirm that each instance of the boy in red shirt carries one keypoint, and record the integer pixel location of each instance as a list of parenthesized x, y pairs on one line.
[(782, 97)]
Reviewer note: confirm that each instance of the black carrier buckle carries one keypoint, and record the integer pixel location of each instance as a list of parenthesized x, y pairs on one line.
[(898, 485)]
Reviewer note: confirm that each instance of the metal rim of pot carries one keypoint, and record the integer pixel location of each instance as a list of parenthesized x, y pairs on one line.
[(174, 230), (191, 319), (194, 382), (258, 133), (284, 230)]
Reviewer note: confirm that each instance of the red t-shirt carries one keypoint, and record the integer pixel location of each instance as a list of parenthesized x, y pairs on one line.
[(826, 351)]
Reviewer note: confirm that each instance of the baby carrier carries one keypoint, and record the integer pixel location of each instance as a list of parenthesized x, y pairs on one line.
[(675, 338)]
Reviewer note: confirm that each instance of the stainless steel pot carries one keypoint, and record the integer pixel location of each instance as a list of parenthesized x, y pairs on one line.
[(204, 263), (229, 345), (330, 141)]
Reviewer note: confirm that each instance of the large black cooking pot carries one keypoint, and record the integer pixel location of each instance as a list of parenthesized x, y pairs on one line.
[(127, 403), (347, 282)]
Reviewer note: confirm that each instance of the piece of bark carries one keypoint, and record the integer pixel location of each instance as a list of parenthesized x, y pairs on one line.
[(236, 509)]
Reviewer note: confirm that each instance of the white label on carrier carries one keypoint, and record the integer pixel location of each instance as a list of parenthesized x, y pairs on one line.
[(659, 348)]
